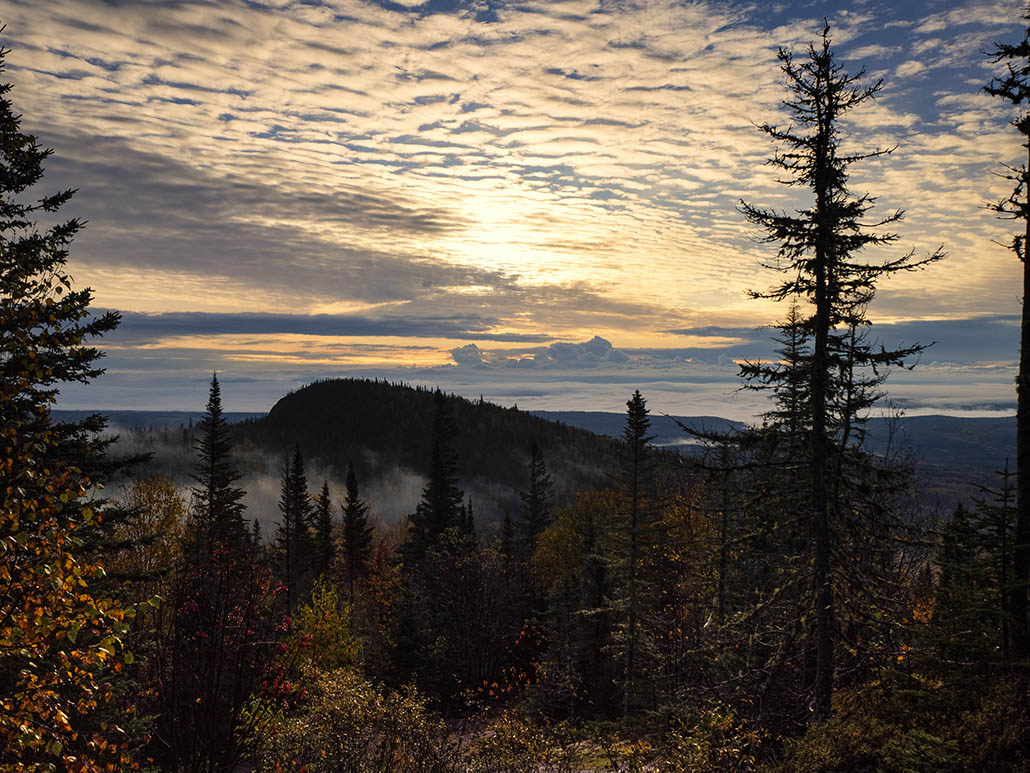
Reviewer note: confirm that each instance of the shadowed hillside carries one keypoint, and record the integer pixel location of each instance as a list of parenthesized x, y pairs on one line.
[(383, 427), (952, 455)]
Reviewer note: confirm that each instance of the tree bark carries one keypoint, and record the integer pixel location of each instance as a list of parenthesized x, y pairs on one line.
[(1021, 550)]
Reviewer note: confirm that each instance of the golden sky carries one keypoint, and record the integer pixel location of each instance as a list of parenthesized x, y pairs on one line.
[(467, 192)]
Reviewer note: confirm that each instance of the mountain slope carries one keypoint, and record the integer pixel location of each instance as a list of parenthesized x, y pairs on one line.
[(381, 426), (952, 455)]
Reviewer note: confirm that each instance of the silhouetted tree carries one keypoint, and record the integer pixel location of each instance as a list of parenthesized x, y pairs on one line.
[(216, 642), (507, 537), (1014, 86), (536, 501), (325, 547), (995, 519), (257, 538), (217, 507), (357, 534), (441, 506), (638, 424), (293, 540), (818, 249)]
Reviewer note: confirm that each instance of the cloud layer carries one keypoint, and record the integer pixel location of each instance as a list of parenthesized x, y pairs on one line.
[(288, 190)]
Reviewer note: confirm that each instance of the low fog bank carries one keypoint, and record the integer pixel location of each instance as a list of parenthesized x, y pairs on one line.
[(391, 491)]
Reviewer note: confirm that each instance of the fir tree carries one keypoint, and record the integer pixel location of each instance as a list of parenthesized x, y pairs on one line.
[(536, 501), (636, 437), (325, 547), (507, 537), (357, 534), (215, 644), (1014, 86), (293, 543), (441, 506), (818, 249), (467, 521), (59, 632), (217, 502), (995, 523), (257, 537)]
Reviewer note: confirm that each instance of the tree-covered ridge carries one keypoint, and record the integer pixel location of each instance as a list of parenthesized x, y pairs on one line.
[(354, 421)]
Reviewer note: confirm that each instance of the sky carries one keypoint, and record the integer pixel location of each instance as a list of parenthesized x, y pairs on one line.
[(533, 201)]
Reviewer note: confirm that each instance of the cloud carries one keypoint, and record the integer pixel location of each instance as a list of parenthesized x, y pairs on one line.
[(137, 328), (514, 172), (910, 69), (468, 356)]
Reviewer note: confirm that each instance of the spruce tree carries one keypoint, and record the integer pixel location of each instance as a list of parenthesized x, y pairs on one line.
[(59, 632), (217, 502), (537, 500), (325, 547), (995, 518), (215, 644), (357, 534), (1014, 86), (507, 544), (441, 505), (293, 542), (819, 250), (636, 438)]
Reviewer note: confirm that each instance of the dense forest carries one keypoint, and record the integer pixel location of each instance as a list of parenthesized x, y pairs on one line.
[(781, 600)]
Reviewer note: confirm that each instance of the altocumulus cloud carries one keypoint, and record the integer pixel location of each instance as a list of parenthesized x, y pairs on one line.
[(520, 174)]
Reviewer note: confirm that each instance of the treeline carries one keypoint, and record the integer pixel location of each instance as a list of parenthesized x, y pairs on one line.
[(780, 604)]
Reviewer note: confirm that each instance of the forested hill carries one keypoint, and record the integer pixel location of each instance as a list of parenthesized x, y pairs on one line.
[(952, 455), (382, 426)]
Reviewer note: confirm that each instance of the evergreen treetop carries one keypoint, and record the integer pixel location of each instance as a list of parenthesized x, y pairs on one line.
[(537, 500), (292, 537), (357, 533), (441, 506), (217, 501), (325, 548)]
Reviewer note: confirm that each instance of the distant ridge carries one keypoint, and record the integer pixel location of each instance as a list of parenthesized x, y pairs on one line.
[(953, 455), (152, 419), (380, 425)]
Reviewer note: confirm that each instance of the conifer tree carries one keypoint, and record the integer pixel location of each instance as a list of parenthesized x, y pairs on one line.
[(995, 519), (325, 547), (293, 542), (357, 534), (467, 521), (537, 500), (507, 537), (217, 502), (636, 438), (58, 631), (1014, 86), (257, 538), (819, 250), (214, 645), (441, 506)]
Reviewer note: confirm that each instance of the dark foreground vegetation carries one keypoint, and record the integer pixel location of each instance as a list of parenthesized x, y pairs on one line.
[(781, 604)]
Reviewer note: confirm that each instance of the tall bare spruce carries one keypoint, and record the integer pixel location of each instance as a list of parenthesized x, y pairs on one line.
[(1014, 86), (819, 250)]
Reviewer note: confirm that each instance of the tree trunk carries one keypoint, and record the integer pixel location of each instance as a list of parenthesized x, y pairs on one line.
[(633, 540), (1021, 551), (824, 614)]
